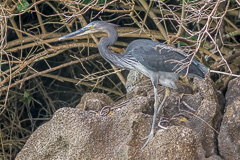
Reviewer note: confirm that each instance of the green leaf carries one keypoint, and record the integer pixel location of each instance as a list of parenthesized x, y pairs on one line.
[(182, 44), (26, 99), (23, 5), (202, 43), (194, 37), (86, 1), (102, 1), (26, 94)]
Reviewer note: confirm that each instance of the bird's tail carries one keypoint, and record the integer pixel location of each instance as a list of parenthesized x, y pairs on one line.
[(203, 68), (206, 70)]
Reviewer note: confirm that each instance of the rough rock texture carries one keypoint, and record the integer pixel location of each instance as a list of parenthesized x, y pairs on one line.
[(76, 134), (192, 122), (94, 101), (229, 136), (203, 98), (207, 118), (137, 84), (177, 142)]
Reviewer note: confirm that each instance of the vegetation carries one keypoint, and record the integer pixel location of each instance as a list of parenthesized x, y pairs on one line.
[(39, 74)]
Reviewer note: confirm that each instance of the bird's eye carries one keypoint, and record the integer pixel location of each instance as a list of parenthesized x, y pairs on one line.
[(91, 27)]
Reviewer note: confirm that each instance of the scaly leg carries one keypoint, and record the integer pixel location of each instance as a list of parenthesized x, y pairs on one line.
[(156, 110), (167, 94)]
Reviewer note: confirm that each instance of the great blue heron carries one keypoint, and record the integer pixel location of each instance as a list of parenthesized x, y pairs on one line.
[(160, 62)]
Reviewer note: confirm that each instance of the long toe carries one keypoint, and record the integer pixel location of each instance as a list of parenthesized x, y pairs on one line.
[(148, 137)]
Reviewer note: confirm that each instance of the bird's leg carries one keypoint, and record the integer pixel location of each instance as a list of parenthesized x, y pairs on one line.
[(150, 136), (156, 111), (167, 94)]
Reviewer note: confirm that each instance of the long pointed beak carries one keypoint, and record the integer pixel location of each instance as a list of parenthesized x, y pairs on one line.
[(79, 32)]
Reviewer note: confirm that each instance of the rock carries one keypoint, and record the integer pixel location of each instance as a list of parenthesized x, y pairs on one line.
[(137, 84), (233, 91), (207, 118), (229, 136), (177, 142), (77, 134), (74, 133), (94, 101)]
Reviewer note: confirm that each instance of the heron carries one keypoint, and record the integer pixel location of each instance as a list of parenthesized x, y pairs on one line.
[(162, 63)]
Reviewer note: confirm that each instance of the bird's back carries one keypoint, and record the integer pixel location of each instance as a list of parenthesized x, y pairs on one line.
[(157, 57)]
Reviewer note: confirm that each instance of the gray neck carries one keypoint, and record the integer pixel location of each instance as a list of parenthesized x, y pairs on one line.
[(108, 55)]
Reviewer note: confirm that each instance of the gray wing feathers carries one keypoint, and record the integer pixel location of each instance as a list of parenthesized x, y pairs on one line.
[(160, 57)]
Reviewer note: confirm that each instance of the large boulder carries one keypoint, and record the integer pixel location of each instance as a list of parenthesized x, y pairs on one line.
[(192, 121), (229, 136)]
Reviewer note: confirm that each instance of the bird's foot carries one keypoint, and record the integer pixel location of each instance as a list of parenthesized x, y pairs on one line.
[(148, 137)]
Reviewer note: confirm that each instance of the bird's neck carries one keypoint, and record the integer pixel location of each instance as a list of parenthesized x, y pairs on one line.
[(109, 40), (103, 44)]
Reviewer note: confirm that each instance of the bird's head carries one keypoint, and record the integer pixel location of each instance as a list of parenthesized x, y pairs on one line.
[(93, 27)]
